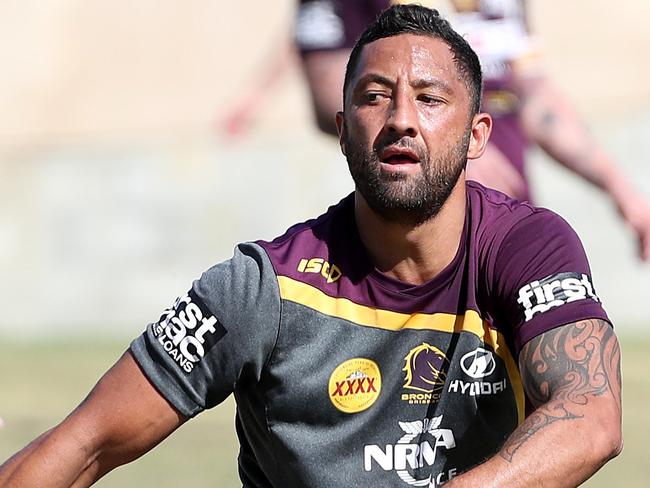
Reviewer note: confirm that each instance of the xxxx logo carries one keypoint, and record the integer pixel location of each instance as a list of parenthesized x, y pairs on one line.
[(355, 385)]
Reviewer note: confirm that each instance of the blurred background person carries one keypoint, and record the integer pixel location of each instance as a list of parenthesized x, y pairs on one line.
[(526, 106)]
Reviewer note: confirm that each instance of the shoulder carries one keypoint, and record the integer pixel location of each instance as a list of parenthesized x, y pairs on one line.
[(314, 239), (495, 214), (511, 236), (534, 268)]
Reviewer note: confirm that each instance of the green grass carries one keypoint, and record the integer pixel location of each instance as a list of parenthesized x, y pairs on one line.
[(41, 382)]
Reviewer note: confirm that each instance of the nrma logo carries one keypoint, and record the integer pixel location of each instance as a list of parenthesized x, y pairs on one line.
[(330, 272), (554, 291), (414, 454)]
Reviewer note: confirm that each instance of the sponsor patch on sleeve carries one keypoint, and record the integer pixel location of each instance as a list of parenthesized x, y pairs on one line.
[(187, 331), (553, 291)]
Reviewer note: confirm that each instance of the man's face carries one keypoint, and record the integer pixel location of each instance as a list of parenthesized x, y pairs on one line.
[(406, 126)]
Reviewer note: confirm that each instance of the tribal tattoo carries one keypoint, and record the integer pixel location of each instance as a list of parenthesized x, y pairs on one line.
[(562, 370)]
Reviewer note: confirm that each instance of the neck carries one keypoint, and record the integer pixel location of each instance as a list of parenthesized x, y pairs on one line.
[(413, 254)]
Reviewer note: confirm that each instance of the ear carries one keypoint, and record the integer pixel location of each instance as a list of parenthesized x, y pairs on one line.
[(340, 127), (481, 128)]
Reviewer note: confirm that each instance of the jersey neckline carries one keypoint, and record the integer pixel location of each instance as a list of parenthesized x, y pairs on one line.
[(394, 285)]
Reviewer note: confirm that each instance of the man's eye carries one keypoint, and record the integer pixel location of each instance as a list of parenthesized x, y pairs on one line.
[(428, 99), (374, 97)]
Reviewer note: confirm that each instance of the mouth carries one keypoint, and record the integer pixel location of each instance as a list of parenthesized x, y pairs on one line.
[(397, 156)]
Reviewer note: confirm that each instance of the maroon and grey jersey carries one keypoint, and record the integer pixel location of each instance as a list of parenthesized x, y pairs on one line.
[(496, 29), (344, 376)]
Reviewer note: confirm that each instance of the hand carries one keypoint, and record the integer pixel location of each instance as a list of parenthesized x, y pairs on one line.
[(635, 210), (237, 122)]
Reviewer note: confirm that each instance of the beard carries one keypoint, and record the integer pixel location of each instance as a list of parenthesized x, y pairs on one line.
[(410, 199)]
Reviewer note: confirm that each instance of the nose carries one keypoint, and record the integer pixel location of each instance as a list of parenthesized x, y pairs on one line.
[(402, 119)]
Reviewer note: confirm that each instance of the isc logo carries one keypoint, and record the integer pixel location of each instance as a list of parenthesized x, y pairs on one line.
[(330, 272)]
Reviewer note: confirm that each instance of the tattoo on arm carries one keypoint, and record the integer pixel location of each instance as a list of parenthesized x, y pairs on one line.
[(562, 370)]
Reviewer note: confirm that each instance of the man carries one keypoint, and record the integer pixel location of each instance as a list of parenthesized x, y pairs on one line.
[(526, 106), (377, 345)]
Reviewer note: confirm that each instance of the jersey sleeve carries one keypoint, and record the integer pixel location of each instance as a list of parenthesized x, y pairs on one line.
[(216, 336), (542, 278)]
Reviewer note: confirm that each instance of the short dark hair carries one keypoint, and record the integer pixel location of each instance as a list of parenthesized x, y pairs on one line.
[(419, 20)]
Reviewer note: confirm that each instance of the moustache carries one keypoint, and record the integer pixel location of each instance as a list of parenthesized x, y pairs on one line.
[(402, 143)]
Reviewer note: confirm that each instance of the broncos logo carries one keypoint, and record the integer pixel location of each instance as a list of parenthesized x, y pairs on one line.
[(425, 368)]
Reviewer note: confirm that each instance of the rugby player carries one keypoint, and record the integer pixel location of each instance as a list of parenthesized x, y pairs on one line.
[(525, 105), (424, 331)]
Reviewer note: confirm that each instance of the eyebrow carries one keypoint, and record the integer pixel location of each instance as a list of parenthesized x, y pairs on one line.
[(374, 78), (419, 83), (432, 82)]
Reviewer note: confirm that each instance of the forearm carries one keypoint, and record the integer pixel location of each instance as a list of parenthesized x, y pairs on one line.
[(324, 71), (45, 462), (122, 418), (572, 376), (552, 123), (14, 463), (551, 448)]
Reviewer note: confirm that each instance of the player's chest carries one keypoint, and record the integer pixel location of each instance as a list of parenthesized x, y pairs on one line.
[(392, 393)]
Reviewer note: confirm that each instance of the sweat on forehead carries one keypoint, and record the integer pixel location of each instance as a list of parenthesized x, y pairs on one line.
[(424, 54)]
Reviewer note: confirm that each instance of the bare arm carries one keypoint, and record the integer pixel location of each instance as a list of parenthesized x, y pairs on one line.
[(572, 376), (239, 118), (551, 121), (495, 170), (325, 71), (122, 418)]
